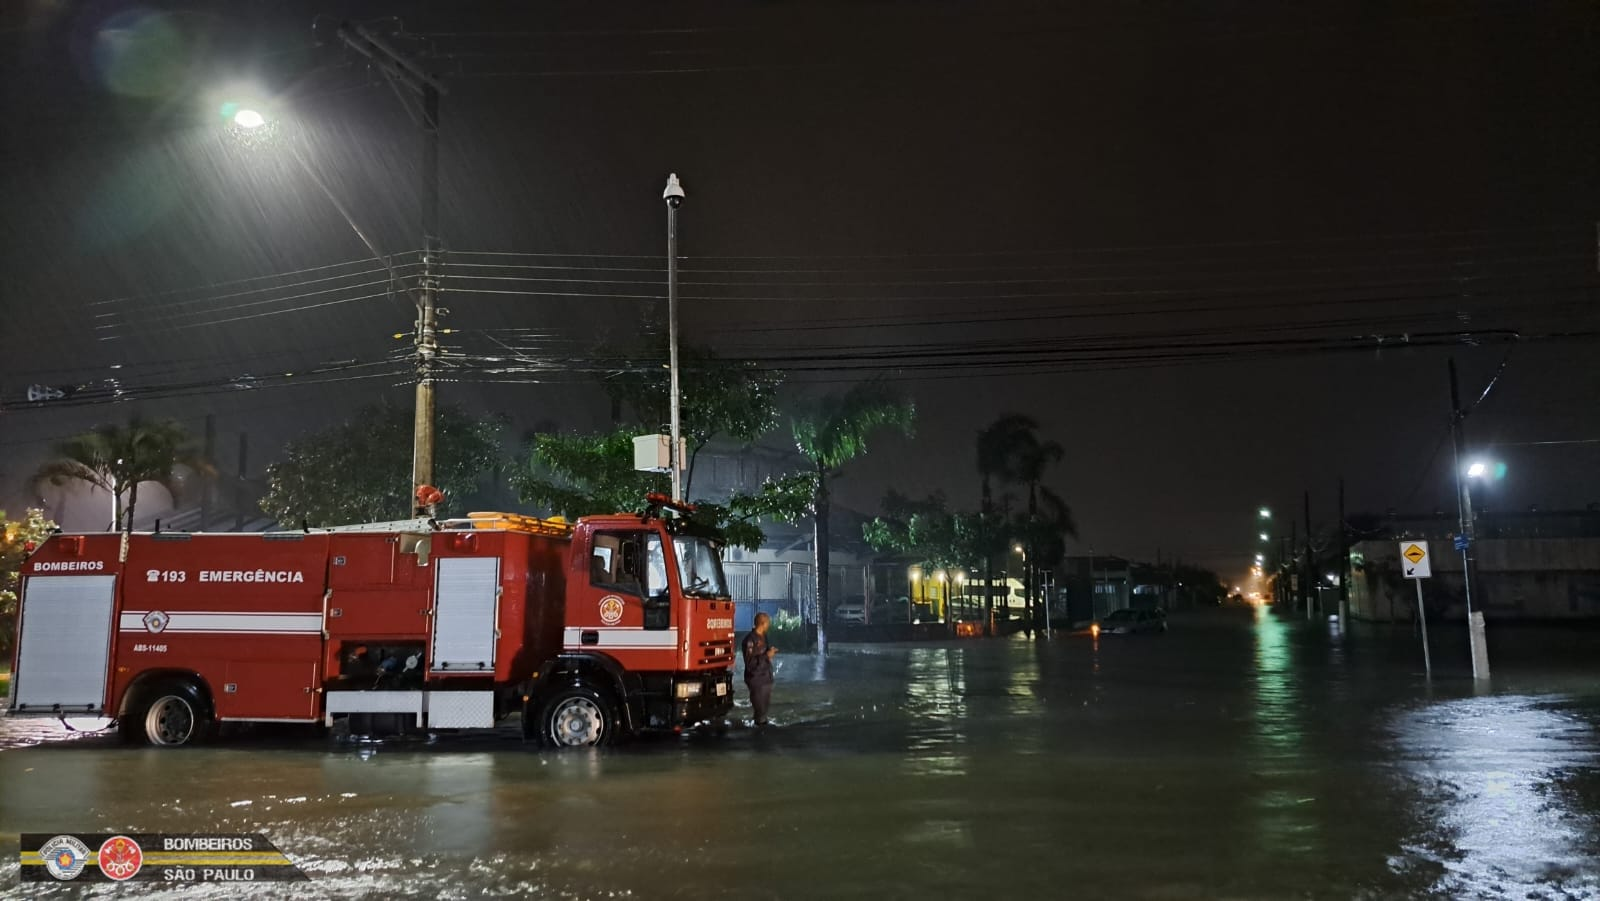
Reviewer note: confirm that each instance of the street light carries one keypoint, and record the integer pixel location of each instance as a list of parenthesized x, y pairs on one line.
[(1477, 469), (1265, 537), (254, 125), (1264, 513), (673, 195), (249, 119)]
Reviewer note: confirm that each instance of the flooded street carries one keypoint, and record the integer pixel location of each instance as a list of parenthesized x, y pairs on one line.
[(1241, 755)]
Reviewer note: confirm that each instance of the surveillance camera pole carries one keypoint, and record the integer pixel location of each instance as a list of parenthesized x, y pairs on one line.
[(673, 195)]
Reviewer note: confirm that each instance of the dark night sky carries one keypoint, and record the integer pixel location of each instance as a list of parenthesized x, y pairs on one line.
[(1003, 206)]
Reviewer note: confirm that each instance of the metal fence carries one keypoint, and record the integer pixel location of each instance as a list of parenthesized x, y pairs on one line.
[(770, 588)]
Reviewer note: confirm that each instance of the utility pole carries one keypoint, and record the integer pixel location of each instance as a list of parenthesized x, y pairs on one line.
[(401, 71), (1468, 535), (1294, 550), (1344, 562), (208, 482), (1308, 580), (238, 483), (673, 195)]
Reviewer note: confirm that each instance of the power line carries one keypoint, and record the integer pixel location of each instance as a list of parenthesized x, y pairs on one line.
[(242, 281)]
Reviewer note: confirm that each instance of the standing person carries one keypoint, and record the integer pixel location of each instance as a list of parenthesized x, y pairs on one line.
[(758, 667)]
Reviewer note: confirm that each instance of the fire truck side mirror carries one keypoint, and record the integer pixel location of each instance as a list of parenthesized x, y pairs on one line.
[(630, 559)]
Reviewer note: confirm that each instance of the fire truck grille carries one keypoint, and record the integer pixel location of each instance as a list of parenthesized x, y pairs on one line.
[(717, 652)]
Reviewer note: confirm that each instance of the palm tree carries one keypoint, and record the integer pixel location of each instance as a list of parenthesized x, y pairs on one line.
[(1000, 445), (830, 433), (1033, 458), (1044, 532), (116, 459)]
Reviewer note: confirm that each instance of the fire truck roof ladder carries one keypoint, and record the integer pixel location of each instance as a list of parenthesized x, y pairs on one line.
[(420, 524), (513, 522)]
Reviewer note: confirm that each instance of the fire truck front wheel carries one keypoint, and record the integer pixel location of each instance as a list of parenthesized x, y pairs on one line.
[(169, 715), (578, 716)]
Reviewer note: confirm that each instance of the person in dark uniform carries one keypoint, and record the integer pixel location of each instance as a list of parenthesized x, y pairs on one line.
[(758, 667)]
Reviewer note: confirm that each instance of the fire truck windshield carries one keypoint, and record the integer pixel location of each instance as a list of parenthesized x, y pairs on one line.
[(700, 565)]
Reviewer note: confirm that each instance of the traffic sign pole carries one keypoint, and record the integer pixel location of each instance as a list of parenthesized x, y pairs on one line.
[(1416, 566), (1422, 619)]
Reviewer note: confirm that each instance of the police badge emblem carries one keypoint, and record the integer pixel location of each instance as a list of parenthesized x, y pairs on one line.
[(64, 856)]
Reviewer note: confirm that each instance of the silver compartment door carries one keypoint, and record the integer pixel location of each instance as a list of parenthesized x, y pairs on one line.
[(466, 604), (65, 645)]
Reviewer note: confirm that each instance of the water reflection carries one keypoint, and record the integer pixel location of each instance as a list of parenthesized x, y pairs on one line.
[(1285, 822), (936, 701), (1493, 773)]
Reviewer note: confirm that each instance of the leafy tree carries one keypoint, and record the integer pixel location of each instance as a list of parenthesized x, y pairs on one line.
[(17, 538), (360, 470), (735, 398), (582, 475), (118, 459), (830, 433), (926, 530)]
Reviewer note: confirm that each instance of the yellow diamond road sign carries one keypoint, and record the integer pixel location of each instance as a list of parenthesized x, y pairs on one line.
[(1416, 564)]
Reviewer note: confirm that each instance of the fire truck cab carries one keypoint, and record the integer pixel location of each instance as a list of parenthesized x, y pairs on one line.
[(613, 626)]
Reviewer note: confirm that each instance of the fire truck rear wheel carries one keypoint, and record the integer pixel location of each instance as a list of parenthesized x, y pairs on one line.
[(578, 716), (169, 715)]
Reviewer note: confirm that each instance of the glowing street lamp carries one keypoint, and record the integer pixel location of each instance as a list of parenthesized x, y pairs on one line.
[(1264, 513), (1265, 537), (249, 119)]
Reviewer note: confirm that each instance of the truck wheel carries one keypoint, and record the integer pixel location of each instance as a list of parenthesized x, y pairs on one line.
[(576, 717), (168, 715)]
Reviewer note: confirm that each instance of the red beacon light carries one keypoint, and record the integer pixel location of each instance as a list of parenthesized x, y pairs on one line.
[(656, 500)]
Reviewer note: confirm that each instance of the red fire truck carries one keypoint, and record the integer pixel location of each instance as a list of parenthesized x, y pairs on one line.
[(593, 631)]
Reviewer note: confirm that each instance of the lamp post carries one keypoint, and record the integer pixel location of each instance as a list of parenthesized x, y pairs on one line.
[(914, 575), (944, 599), (673, 195), (1468, 532), (1027, 584)]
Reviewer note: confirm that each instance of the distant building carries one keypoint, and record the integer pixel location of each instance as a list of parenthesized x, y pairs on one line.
[(778, 576), (1531, 565), (1096, 586)]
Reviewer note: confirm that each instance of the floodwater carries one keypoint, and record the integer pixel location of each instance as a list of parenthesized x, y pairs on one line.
[(1245, 754)]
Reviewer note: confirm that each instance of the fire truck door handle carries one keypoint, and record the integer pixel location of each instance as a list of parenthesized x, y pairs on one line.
[(589, 636)]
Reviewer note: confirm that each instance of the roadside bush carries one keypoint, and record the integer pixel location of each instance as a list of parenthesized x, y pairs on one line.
[(788, 632)]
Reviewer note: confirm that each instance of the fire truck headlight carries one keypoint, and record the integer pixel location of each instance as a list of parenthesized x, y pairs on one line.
[(689, 690)]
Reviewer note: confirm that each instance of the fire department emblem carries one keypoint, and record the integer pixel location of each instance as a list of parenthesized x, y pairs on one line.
[(155, 620), (64, 856), (611, 610), (120, 858)]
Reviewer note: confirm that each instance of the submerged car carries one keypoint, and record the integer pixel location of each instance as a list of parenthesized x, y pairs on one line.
[(1131, 622), (853, 610)]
